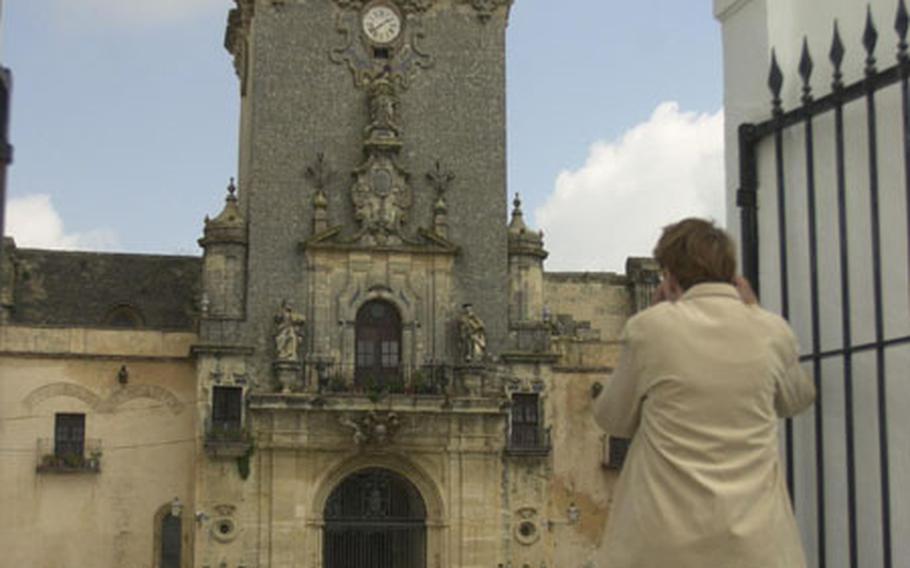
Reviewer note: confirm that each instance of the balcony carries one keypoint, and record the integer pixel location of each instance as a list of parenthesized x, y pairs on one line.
[(327, 378), (529, 441), (70, 457), (226, 439)]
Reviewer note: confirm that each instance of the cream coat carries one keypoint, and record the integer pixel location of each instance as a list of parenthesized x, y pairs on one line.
[(700, 388)]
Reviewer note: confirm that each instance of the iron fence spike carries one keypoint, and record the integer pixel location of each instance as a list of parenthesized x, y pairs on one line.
[(775, 79), (805, 62), (901, 24), (870, 38), (836, 54)]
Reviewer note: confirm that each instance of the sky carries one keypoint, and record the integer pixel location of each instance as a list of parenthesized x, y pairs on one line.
[(124, 122)]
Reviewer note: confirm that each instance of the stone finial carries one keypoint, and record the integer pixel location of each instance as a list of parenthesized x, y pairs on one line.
[(441, 218), (229, 226), (523, 241), (517, 225)]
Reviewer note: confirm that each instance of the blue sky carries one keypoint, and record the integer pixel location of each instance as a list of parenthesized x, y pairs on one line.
[(125, 122)]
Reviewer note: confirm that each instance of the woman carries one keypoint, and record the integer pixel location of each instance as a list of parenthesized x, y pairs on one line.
[(703, 380)]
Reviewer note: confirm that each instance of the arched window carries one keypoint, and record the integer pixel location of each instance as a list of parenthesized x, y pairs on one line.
[(375, 519), (171, 538), (378, 345)]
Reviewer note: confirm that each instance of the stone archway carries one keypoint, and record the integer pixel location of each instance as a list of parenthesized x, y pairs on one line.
[(375, 518)]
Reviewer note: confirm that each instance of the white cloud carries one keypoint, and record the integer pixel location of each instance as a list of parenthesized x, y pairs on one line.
[(614, 206), (144, 13), (34, 223)]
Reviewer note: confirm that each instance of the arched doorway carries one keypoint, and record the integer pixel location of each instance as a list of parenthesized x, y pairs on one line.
[(378, 345), (375, 518)]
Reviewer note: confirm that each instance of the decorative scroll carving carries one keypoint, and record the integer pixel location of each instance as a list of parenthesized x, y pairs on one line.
[(401, 60), (406, 6)]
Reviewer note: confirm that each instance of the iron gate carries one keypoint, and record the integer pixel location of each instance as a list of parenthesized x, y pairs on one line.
[(375, 519), (835, 215)]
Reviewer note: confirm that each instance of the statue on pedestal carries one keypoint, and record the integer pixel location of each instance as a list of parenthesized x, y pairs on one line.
[(473, 335), (288, 333)]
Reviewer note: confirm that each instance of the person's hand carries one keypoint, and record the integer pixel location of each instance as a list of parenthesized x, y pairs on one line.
[(745, 291)]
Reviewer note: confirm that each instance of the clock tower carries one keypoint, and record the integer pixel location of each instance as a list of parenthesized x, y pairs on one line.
[(359, 286)]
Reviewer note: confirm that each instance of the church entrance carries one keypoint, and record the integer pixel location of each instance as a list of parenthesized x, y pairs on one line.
[(375, 519), (378, 345)]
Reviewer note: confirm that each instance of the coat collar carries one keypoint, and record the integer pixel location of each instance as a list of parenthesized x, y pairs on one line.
[(711, 289)]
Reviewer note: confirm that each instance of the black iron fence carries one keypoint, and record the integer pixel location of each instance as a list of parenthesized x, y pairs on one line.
[(825, 229)]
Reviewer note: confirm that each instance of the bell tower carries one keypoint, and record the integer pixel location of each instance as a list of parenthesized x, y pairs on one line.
[(357, 284), (376, 128)]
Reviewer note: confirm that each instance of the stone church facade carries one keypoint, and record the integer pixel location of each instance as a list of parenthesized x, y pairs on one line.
[(367, 366)]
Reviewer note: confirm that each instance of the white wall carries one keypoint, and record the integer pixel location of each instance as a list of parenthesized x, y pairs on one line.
[(750, 29)]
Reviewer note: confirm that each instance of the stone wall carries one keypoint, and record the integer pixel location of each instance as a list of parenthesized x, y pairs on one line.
[(103, 515)]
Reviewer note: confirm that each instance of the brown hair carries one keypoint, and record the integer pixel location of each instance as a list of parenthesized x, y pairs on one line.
[(695, 251)]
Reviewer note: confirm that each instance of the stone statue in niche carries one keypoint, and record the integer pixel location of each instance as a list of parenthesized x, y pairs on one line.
[(383, 106), (288, 333), (473, 335)]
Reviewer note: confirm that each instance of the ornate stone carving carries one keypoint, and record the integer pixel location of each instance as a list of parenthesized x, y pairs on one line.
[(373, 427), (401, 60), (319, 174), (440, 180), (473, 335), (486, 8), (406, 6), (236, 38), (288, 324), (381, 197), (527, 526)]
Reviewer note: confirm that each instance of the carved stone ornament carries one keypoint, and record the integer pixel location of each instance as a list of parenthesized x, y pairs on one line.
[(236, 36), (401, 59), (406, 6), (373, 428), (486, 8), (382, 197)]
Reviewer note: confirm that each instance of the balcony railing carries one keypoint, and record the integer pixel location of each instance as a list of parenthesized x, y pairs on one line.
[(70, 457), (226, 438), (529, 441), (331, 377)]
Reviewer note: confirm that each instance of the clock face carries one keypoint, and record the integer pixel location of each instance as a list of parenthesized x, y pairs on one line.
[(381, 24)]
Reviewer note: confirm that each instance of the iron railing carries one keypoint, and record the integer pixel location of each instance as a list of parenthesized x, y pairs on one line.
[(62, 458), (801, 240)]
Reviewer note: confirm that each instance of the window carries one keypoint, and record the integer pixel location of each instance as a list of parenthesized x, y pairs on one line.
[(227, 409), (170, 542), (378, 341), (69, 436), (615, 452), (526, 433), (169, 550)]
